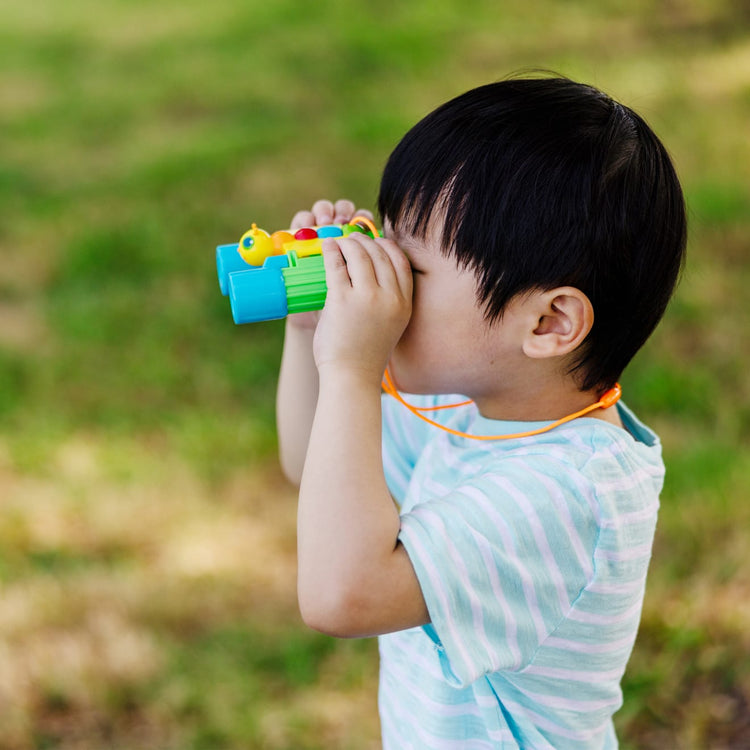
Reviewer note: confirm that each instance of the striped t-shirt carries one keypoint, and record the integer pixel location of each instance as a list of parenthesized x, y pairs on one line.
[(532, 556)]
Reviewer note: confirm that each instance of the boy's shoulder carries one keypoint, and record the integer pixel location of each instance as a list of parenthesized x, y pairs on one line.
[(578, 440), (585, 455), (587, 458)]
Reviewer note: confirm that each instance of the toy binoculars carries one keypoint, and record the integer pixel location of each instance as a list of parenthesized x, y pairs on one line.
[(268, 277)]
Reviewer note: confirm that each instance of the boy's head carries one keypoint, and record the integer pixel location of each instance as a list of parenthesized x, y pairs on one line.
[(543, 182)]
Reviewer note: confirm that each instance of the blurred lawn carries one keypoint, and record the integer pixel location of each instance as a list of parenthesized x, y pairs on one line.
[(146, 538)]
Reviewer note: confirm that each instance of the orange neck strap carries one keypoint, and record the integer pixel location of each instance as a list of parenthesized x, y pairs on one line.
[(610, 398)]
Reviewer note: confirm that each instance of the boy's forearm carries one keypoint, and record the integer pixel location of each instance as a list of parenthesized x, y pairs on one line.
[(296, 397), (355, 578), (347, 524)]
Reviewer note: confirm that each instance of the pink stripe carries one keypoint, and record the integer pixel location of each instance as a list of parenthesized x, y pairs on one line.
[(399, 716), (406, 660), (585, 559), (633, 553), (577, 675), (475, 603), (509, 544), (543, 722), (646, 513), (566, 644), (436, 586), (593, 618), (511, 629), (617, 589), (540, 538), (571, 704)]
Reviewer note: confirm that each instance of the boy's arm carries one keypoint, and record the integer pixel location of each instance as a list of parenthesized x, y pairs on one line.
[(297, 391), (296, 396), (355, 578)]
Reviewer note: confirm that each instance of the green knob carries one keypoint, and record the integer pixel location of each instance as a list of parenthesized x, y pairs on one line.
[(305, 282)]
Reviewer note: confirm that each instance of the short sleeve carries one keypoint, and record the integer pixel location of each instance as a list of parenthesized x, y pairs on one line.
[(500, 559)]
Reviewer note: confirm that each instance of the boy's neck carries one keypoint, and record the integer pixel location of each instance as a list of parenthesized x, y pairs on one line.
[(542, 403)]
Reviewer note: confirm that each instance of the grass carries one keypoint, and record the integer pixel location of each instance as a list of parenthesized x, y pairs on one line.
[(146, 537)]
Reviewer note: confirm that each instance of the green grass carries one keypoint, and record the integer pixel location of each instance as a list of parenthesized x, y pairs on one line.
[(147, 539)]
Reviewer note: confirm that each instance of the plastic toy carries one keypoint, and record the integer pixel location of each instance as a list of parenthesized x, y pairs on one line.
[(267, 277)]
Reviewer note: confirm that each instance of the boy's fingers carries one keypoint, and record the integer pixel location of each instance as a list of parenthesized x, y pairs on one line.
[(400, 264), (302, 219), (336, 267), (359, 262), (345, 210), (323, 212), (326, 212), (381, 261)]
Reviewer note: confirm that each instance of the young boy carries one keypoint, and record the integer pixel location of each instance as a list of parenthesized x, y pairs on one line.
[(534, 231)]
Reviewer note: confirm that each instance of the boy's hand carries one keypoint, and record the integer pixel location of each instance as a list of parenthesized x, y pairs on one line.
[(323, 212), (368, 304)]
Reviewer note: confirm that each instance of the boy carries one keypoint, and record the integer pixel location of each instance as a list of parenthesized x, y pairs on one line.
[(534, 232)]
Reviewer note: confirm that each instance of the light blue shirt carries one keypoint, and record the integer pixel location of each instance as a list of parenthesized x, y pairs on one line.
[(532, 556)]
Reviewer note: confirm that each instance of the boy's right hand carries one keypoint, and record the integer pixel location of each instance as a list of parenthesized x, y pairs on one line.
[(323, 212)]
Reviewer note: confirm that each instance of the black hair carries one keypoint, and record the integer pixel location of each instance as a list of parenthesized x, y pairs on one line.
[(544, 182)]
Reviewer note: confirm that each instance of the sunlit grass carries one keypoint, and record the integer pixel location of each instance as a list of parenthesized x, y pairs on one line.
[(125, 596), (147, 541)]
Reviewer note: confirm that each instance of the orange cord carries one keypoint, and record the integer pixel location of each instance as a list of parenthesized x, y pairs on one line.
[(610, 398)]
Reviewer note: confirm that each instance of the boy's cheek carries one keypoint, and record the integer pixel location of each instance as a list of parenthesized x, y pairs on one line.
[(405, 363), (404, 344)]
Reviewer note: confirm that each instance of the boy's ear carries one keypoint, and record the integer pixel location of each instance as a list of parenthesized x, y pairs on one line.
[(562, 318)]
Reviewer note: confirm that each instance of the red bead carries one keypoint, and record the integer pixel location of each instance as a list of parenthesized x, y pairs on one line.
[(306, 233)]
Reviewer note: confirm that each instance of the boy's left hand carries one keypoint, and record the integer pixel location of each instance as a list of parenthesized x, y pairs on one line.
[(368, 304)]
